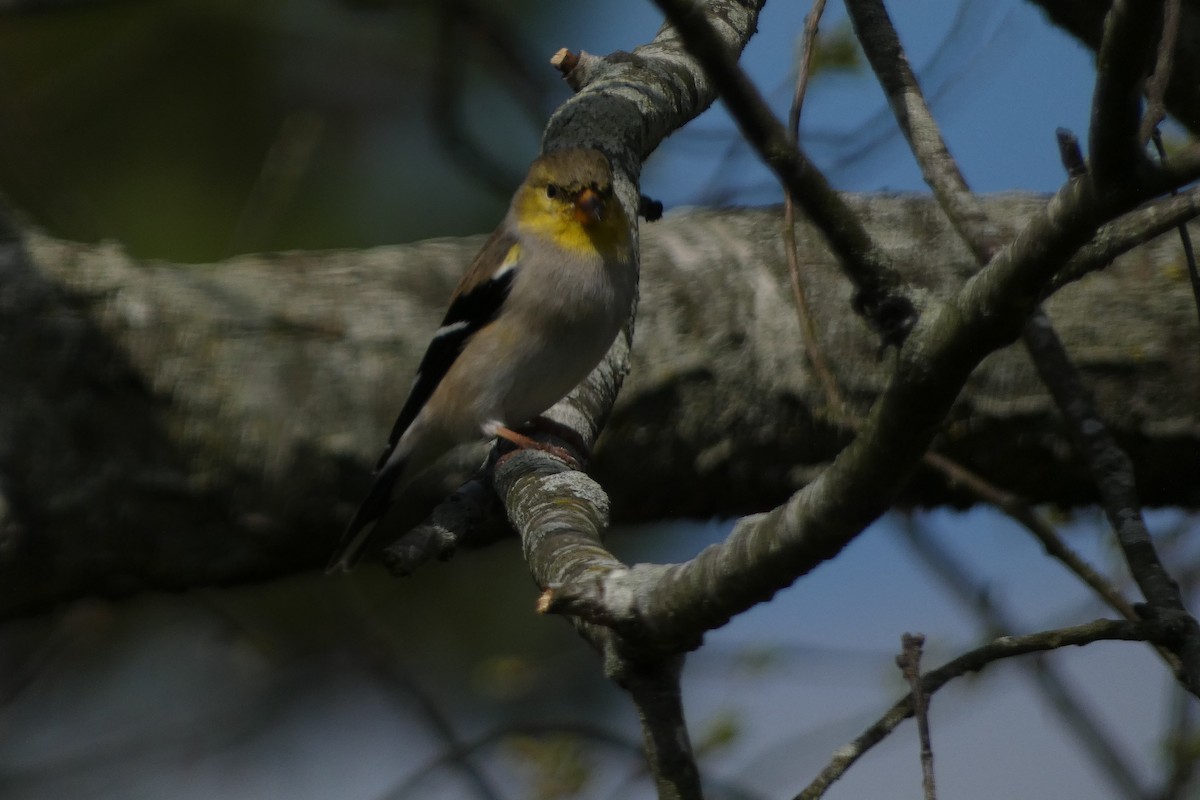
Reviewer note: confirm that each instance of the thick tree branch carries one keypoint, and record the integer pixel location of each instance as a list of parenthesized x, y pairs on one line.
[(767, 552), (625, 112), (171, 425)]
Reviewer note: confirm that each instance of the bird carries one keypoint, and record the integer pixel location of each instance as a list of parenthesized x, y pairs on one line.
[(535, 312)]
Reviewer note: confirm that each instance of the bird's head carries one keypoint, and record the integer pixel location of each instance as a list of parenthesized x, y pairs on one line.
[(568, 195)]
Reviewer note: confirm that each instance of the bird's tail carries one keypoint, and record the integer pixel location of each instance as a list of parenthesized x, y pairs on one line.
[(354, 540)]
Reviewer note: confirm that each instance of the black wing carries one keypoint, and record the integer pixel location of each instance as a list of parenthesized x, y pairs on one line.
[(475, 303)]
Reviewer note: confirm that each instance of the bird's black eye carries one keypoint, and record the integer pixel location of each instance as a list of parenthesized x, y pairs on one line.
[(551, 190)]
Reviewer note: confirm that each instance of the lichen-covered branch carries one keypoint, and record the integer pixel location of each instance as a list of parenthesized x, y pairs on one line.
[(767, 552), (168, 425)]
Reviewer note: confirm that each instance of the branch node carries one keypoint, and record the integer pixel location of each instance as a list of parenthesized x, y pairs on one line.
[(586, 598), (1070, 153), (891, 314), (545, 601), (575, 68), (418, 547), (649, 209), (564, 61)]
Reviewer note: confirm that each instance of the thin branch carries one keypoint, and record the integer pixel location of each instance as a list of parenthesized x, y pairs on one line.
[(1112, 472), (1054, 545), (1156, 85), (909, 662), (808, 332), (1070, 153), (1161, 631), (467, 517), (882, 47), (1185, 238), (1130, 231), (883, 294), (1131, 32), (1057, 689), (561, 525), (812, 23), (671, 605)]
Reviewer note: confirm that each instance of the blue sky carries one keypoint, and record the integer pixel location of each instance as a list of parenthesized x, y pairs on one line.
[(999, 78)]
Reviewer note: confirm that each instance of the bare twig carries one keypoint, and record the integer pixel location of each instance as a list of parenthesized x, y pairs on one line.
[(1112, 472), (1162, 631), (564, 61), (1185, 238), (1042, 531), (670, 606), (808, 333), (1156, 85), (883, 295), (1070, 153), (812, 23), (1057, 689), (467, 517), (882, 47), (909, 662), (884, 52), (1128, 232)]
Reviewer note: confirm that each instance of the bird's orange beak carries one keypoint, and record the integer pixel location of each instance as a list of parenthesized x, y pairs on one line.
[(589, 207)]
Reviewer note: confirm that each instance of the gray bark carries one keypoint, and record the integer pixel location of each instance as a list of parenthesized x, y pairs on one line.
[(168, 426)]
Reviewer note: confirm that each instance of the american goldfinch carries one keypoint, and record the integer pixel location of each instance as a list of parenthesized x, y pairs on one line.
[(534, 314)]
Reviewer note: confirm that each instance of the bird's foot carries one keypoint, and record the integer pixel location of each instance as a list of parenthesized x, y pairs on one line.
[(526, 443)]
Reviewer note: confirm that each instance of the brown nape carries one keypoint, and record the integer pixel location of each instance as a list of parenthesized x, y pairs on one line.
[(573, 169)]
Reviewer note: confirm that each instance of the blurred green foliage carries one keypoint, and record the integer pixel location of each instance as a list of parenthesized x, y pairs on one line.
[(192, 129), (837, 50)]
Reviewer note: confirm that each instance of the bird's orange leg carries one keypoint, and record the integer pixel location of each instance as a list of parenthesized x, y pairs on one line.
[(564, 432), (524, 442)]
